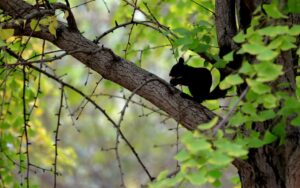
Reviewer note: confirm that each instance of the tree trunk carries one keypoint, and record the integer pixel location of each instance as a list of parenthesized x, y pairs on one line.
[(274, 165)]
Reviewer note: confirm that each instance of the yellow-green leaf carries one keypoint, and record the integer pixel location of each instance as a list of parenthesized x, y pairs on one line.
[(258, 87), (273, 31), (6, 33), (295, 30), (209, 125), (197, 178), (267, 71), (230, 81), (273, 11), (45, 21), (66, 15), (34, 25), (52, 29), (53, 25)]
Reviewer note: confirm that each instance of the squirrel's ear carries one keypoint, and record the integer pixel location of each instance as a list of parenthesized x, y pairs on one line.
[(181, 60)]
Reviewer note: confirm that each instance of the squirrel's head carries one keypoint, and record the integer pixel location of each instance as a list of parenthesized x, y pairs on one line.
[(177, 71), (177, 68)]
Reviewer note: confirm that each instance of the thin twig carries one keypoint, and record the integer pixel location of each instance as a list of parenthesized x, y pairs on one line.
[(105, 4), (132, 94), (84, 105), (55, 173), (119, 159), (204, 8), (226, 118), (94, 104), (25, 126), (125, 107), (153, 110), (101, 110)]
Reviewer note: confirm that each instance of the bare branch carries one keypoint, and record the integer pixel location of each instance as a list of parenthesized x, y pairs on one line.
[(56, 139), (226, 118)]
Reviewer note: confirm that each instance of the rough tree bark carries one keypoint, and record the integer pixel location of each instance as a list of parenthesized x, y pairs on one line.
[(271, 166)]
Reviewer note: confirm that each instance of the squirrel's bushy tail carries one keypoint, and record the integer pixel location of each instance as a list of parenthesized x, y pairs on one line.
[(217, 93)]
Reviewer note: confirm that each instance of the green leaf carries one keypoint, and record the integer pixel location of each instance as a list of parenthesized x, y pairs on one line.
[(209, 125), (162, 175), (295, 30), (183, 41), (235, 180), (269, 101), (230, 81), (288, 43), (2, 43), (255, 142), (228, 57), (269, 137), (34, 25), (263, 52), (15, 85), (239, 38), (293, 6), (199, 47), (53, 25), (197, 178), (206, 39), (258, 87), (296, 121), (249, 108), (4, 125), (66, 14), (253, 49), (183, 155), (6, 33), (255, 38), (45, 21), (267, 55), (291, 105), (251, 96), (217, 183), (220, 63), (255, 21), (273, 31), (230, 148), (216, 174), (169, 182), (267, 71), (273, 11), (279, 130), (266, 115), (18, 122), (197, 145), (52, 29), (247, 69), (238, 119), (220, 159), (182, 31), (276, 43), (178, 178), (191, 163)]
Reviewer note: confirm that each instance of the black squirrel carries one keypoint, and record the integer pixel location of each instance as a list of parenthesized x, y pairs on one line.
[(198, 80)]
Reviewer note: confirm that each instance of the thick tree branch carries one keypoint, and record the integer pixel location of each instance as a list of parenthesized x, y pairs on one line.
[(114, 68)]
